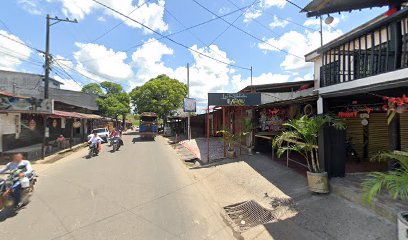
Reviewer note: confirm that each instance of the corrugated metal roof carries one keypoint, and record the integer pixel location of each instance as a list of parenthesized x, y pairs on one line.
[(74, 115), (7, 94)]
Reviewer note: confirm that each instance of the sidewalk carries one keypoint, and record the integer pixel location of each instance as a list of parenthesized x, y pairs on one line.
[(301, 215)]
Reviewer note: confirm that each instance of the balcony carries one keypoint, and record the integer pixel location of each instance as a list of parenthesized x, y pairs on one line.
[(370, 50)]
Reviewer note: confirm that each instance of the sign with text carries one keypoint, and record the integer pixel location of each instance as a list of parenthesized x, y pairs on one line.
[(25, 105), (189, 105), (234, 99)]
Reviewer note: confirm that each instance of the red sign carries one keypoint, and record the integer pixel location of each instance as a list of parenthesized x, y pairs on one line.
[(347, 114)]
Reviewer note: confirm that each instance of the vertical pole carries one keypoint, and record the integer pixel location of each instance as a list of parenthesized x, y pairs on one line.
[(251, 78), (321, 31), (47, 58), (223, 127), (46, 79), (208, 134), (188, 95)]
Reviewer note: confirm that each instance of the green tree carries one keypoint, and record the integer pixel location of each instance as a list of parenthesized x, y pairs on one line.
[(93, 88), (160, 95), (116, 102), (111, 88)]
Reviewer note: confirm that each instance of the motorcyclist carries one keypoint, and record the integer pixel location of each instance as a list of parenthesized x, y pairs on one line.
[(95, 139), (27, 171), (116, 134)]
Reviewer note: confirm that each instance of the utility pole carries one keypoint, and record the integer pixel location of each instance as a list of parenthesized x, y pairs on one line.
[(47, 69), (321, 31), (251, 79), (47, 50), (188, 95)]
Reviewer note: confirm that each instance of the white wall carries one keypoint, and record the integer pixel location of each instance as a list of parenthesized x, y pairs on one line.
[(10, 123)]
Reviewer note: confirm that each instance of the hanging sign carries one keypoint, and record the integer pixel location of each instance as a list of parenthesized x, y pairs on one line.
[(234, 99), (76, 124), (189, 105), (347, 114)]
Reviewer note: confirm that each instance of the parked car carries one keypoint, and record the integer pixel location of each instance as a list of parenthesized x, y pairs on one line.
[(102, 133)]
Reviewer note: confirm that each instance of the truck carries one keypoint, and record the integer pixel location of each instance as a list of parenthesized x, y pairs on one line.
[(148, 126)]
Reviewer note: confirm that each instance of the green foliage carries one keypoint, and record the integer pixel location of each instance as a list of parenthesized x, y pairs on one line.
[(160, 95), (115, 102), (93, 88), (302, 137), (395, 182), (232, 138), (111, 88)]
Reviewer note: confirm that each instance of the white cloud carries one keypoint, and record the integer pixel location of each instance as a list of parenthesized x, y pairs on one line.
[(297, 45), (252, 14), (274, 3), (101, 19), (12, 54), (106, 62), (150, 14), (31, 6), (278, 23), (223, 10), (68, 84)]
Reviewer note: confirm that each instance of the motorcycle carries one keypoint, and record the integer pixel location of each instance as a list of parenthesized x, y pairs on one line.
[(16, 180), (350, 151), (115, 143), (93, 150)]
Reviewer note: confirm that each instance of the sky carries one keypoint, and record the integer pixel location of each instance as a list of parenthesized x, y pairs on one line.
[(271, 36)]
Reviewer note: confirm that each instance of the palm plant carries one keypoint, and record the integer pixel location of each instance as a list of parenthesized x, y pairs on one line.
[(302, 137), (232, 138), (395, 182)]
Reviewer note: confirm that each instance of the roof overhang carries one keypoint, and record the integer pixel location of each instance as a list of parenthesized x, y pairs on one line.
[(323, 7)]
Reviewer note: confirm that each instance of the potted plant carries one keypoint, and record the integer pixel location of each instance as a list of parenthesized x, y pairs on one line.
[(247, 129), (231, 139), (302, 137), (395, 182)]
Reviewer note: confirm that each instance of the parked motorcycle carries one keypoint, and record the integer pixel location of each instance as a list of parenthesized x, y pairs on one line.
[(350, 151), (16, 179), (115, 143), (93, 150)]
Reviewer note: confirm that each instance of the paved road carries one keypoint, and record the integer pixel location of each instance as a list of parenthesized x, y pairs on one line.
[(140, 192)]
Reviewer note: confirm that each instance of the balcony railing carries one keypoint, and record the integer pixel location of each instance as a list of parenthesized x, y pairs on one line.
[(379, 48)]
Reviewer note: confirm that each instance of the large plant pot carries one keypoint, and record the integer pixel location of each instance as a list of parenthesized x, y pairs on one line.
[(402, 226), (318, 182), (231, 154)]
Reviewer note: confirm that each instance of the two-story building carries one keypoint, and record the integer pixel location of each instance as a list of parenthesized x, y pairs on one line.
[(362, 77)]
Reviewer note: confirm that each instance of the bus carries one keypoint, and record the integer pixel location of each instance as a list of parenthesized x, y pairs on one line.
[(148, 125)]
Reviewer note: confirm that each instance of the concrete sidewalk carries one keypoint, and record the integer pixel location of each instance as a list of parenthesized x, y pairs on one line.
[(309, 216)]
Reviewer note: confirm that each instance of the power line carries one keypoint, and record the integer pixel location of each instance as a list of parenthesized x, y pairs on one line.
[(5, 26), (178, 32), (294, 4), (21, 59), (24, 44), (247, 33), (170, 39), (21, 55), (67, 73), (123, 21), (236, 19), (290, 21)]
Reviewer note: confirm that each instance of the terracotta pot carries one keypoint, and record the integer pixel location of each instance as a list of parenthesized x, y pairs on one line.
[(231, 154), (318, 182), (402, 226)]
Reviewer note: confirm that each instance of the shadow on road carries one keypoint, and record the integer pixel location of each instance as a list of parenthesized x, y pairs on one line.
[(7, 213)]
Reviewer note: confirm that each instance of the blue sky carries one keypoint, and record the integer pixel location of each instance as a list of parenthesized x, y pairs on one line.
[(112, 58)]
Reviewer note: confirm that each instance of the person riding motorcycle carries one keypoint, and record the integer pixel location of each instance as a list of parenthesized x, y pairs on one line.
[(116, 134), (27, 171), (95, 139)]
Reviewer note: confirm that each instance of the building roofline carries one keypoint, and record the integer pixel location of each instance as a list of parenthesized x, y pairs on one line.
[(276, 85), (31, 74)]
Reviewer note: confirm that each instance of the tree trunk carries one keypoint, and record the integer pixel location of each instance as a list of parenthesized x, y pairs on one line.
[(124, 122)]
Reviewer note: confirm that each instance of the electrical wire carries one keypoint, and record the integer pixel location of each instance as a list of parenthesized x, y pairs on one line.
[(21, 59), (294, 4), (178, 32), (170, 39), (120, 23), (33, 48), (247, 33), (236, 19)]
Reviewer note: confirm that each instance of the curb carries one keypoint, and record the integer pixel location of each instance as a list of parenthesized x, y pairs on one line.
[(59, 155)]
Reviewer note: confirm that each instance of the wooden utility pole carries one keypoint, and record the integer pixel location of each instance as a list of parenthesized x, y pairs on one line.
[(47, 69)]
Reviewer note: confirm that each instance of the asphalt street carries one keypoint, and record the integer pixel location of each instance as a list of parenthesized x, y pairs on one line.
[(140, 192)]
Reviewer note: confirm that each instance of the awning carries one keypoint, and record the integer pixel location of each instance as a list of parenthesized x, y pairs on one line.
[(7, 94), (59, 114)]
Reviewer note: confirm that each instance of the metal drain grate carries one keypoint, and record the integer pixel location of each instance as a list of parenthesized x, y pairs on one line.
[(248, 214)]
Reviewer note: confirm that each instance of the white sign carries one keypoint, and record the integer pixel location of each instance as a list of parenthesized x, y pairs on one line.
[(189, 105)]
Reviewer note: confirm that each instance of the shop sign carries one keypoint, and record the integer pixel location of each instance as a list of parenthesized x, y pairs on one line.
[(189, 105), (25, 105), (234, 99), (347, 114)]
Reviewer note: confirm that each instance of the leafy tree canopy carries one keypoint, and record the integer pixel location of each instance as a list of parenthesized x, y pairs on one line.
[(160, 95), (93, 88), (111, 88)]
